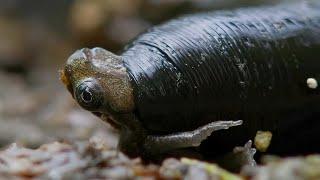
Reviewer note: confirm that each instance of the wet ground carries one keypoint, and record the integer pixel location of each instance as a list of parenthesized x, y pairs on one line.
[(43, 133)]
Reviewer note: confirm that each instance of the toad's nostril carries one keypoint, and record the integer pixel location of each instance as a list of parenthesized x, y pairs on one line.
[(96, 49), (88, 53), (83, 55), (100, 53), (76, 56)]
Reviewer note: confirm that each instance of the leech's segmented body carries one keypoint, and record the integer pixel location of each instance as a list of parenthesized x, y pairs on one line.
[(226, 65), (260, 65)]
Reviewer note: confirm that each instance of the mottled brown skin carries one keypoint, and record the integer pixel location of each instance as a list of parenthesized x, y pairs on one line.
[(107, 68), (98, 80)]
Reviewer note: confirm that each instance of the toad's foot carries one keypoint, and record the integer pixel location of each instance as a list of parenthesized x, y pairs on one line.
[(241, 156), (246, 154)]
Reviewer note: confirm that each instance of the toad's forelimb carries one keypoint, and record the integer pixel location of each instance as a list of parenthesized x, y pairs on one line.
[(160, 144)]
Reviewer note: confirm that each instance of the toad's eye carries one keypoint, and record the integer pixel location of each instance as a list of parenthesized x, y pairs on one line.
[(86, 96), (89, 95)]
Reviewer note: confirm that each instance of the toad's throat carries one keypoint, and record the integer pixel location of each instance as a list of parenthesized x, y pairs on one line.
[(109, 119)]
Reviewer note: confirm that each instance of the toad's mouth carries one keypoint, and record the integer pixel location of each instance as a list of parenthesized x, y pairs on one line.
[(107, 118)]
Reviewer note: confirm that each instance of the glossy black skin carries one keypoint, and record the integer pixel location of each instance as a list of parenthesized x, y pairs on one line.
[(249, 64)]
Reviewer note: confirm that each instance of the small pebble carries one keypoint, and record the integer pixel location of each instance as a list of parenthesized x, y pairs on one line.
[(262, 140), (312, 83)]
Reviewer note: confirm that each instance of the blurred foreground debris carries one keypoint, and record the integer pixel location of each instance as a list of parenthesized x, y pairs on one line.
[(97, 160), (294, 168)]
